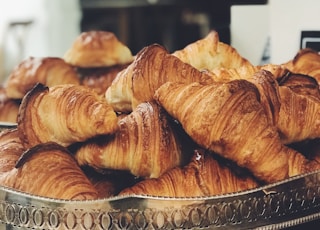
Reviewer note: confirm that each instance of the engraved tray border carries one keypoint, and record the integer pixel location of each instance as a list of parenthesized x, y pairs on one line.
[(275, 206)]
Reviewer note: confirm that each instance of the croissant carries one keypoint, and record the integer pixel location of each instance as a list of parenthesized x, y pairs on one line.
[(49, 71), (63, 114), (144, 144), (246, 72), (299, 116), (291, 105), (278, 71), (49, 170), (97, 49), (228, 119), (99, 79), (295, 106), (11, 148), (306, 61), (203, 176), (8, 107), (152, 67), (209, 53), (301, 84), (262, 79)]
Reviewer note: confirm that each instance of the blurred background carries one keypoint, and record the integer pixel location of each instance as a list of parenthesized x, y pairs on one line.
[(263, 31)]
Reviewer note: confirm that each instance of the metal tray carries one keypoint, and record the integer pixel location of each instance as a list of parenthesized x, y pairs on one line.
[(275, 206)]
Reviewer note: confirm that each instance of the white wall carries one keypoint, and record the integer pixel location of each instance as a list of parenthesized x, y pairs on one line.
[(249, 30), (287, 19), (55, 25), (282, 20)]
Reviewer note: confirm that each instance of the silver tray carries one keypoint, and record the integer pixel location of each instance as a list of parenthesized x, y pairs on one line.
[(275, 206), (284, 204)]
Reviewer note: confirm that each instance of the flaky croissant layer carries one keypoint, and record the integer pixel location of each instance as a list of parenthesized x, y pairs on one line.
[(144, 144), (49, 170), (152, 67), (210, 53), (229, 120), (64, 114), (48, 71), (203, 176)]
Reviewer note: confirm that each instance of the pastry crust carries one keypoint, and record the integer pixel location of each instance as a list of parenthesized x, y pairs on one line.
[(50, 170), (145, 144), (99, 79), (301, 84), (228, 119), (97, 49), (48, 71), (306, 61), (11, 149), (291, 102), (152, 67), (64, 114), (209, 53), (203, 176), (8, 107)]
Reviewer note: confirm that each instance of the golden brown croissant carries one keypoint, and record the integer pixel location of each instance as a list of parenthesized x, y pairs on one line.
[(152, 67), (11, 148), (301, 84), (144, 144), (97, 49), (223, 75), (278, 71), (50, 170), (229, 120), (293, 106), (49, 71), (8, 107), (99, 79), (64, 114), (299, 116), (262, 79), (296, 112), (306, 61), (246, 72), (203, 176), (209, 53)]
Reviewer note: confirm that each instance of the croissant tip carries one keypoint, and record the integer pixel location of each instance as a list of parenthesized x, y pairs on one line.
[(40, 148)]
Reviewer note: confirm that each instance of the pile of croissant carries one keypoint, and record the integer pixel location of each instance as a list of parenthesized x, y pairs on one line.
[(101, 122)]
